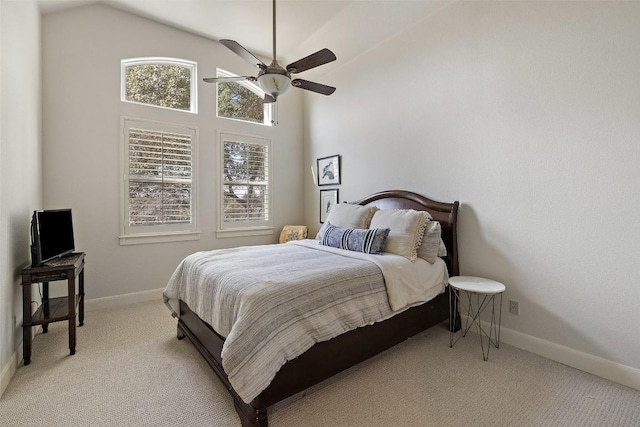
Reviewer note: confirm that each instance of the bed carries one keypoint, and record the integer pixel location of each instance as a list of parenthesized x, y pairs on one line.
[(327, 358)]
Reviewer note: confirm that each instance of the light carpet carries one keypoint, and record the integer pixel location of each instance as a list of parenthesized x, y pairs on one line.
[(130, 370)]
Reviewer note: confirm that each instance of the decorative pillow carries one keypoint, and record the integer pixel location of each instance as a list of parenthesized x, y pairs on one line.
[(442, 249), (293, 232), (430, 247), (347, 215), (369, 241), (407, 228)]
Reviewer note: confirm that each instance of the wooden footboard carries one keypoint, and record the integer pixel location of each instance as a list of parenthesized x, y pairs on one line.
[(207, 343), (323, 360)]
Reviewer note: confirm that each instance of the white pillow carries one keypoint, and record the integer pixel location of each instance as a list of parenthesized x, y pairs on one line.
[(407, 228), (347, 215), (430, 247), (442, 250)]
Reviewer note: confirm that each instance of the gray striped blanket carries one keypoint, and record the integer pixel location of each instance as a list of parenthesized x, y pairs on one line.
[(274, 302)]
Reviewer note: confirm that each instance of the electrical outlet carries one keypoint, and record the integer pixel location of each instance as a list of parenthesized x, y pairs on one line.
[(514, 307)]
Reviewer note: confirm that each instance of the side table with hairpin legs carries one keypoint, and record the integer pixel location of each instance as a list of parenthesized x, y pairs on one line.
[(463, 289)]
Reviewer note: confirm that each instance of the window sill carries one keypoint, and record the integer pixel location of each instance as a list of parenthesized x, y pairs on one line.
[(244, 232), (139, 239)]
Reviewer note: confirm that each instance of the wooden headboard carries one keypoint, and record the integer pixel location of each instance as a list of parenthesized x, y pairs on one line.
[(445, 213)]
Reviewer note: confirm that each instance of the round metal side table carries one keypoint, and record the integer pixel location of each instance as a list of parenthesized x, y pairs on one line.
[(485, 292)]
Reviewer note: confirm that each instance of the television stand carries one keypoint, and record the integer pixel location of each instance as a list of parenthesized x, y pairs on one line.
[(53, 309)]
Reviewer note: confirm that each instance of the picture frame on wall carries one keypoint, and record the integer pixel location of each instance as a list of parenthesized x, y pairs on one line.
[(328, 198), (329, 170)]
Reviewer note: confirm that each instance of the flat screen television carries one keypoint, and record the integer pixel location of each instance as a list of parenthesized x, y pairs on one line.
[(51, 235)]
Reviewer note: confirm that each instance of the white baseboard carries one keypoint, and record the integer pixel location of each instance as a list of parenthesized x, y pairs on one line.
[(120, 300), (7, 372), (595, 365)]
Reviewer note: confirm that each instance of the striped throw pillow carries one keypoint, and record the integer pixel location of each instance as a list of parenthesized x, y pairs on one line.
[(369, 241)]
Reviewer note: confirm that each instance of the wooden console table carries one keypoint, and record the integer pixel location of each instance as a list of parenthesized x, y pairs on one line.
[(53, 309)]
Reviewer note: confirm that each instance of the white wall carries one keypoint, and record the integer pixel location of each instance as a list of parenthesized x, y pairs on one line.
[(82, 50), (20, 164), (527, 113)]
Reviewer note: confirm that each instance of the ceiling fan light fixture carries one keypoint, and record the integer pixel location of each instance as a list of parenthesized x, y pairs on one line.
[(274, 84), (275, 79)]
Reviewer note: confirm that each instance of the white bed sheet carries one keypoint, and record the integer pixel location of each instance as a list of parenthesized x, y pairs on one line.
[(408, 283)]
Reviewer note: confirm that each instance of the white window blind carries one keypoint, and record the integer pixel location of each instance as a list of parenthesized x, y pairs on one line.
[(159, 177), (246, 177), (159, 186), (245, 182)]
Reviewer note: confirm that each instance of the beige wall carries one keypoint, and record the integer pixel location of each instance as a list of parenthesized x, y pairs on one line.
[(20, 164), (527, 113), (82, 50)]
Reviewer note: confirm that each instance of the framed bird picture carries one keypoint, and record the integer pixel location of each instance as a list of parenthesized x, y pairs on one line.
[(329, 170), (328, 199)]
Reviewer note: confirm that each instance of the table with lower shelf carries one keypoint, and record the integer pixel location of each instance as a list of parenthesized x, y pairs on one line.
[(485, 291), (53, 309)]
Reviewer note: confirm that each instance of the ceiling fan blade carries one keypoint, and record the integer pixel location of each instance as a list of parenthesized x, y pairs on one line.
[(313, 86), (228, 79), (321, 57), (268, 99), (243, 53)]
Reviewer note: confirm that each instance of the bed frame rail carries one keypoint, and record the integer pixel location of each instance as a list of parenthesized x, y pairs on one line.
[(328, 358)]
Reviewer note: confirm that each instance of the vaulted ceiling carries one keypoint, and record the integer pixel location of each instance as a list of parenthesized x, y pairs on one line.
[(347, 27)]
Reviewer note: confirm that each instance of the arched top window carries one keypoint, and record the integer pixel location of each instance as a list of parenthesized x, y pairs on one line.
[(243, 101), (160, 82)]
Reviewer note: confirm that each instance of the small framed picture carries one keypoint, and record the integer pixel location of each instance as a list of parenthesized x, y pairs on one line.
[(328, 198), (329, 170)]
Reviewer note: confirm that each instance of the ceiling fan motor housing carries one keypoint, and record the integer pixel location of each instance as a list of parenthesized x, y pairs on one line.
[(274, 79)]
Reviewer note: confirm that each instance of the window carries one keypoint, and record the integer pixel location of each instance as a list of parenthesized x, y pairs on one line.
[(160, 82), (245, 189), (159, 187), (243, 101)]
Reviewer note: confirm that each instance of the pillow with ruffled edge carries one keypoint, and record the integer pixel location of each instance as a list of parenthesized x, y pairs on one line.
[(348, 215), (430, 248), (368, 241), (407, 229)]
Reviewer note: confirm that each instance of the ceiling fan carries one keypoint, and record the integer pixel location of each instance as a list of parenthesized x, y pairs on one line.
[(275, 79)]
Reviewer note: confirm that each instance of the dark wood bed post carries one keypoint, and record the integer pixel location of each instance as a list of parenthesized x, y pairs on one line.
[(249, 415), (454, 267), (328, 358)]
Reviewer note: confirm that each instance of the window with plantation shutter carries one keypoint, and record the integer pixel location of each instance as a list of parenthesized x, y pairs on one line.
[(245, 189), (158, 182)]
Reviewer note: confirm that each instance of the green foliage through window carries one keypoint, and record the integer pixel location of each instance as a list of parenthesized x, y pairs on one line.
[(237, 102), (163, 85)]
